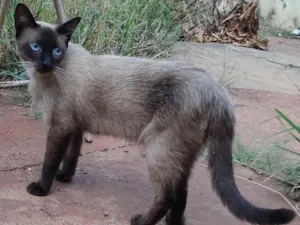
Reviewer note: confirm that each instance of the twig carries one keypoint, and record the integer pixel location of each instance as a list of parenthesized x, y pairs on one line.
[(296, 186), (8, 84), (215, 8), (296, 86), (272, 175), (59, 11), (286, 149), (264, 172), (3, 13), (258, 156), (267, 120)]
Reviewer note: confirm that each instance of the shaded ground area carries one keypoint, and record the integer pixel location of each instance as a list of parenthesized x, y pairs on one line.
[(111, 182)]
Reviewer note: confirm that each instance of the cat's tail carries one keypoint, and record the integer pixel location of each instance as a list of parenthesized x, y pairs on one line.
[(221, 169)]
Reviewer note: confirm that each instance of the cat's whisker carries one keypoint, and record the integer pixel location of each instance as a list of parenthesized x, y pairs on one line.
[(60, 69), (59, 80)]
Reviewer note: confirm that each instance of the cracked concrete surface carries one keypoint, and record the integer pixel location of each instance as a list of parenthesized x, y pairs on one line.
[(111, 182)]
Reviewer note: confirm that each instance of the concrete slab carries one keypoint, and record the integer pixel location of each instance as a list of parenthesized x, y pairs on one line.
[(253, 69), (111, 182), (108, 188)]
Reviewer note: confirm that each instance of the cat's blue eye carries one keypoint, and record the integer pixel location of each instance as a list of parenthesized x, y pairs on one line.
[(34, 46), (57, 51)]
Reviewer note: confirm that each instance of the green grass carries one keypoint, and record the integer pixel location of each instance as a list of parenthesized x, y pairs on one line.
[(274, 160), (145, 28), (270, 160)]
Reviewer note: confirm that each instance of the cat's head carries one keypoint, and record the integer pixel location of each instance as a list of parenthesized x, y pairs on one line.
[(41, 45)]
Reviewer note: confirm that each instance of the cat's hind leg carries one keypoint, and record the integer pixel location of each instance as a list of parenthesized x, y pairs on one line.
[(169, 164)]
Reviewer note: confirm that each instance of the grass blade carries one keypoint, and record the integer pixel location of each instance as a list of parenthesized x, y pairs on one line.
[(293, 125)]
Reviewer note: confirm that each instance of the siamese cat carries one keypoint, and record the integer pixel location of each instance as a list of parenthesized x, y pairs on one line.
[(171, 109)]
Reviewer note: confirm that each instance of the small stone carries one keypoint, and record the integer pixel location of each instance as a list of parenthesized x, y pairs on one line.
[(259, 172)]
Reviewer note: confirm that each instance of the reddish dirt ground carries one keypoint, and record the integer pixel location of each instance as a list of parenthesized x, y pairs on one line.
[(256, 114), (111, 181)]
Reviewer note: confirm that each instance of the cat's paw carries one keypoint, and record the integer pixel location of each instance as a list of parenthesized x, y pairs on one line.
[(63, 177), (35, 189), (137, 220), (174, 221), (88, 138)]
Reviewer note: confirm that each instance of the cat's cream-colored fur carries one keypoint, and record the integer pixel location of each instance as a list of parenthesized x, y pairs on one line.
[(171, 109)]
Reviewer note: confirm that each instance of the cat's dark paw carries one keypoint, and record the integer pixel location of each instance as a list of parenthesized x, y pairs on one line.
[(88, 140), (63, 177), (35, 189), (174, 221), (168, 219), (137, 220)]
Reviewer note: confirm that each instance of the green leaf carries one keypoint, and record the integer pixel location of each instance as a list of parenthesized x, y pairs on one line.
[(292, 124)]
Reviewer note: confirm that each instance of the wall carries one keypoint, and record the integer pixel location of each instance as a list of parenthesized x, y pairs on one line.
[(284, 14)]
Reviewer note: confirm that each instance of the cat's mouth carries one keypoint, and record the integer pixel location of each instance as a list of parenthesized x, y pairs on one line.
[(45, 69)]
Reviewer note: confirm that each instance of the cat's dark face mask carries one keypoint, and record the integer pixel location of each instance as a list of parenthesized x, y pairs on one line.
[(41, 46)]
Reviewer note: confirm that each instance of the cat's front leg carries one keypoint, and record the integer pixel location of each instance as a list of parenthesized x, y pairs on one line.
[(71, 158), (57, 144)]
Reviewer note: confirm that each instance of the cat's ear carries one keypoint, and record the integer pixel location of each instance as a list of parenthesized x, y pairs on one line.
[(23, 19), (66, 29)]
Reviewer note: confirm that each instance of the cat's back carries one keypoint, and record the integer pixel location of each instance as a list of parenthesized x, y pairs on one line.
[(114, 67), (124, 65), (138, 68), (129, 77)]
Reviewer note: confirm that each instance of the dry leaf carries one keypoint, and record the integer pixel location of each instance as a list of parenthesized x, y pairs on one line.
[(240, 26)]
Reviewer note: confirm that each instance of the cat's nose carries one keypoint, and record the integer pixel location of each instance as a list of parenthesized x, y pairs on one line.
[(46, 65), (47, 62)]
